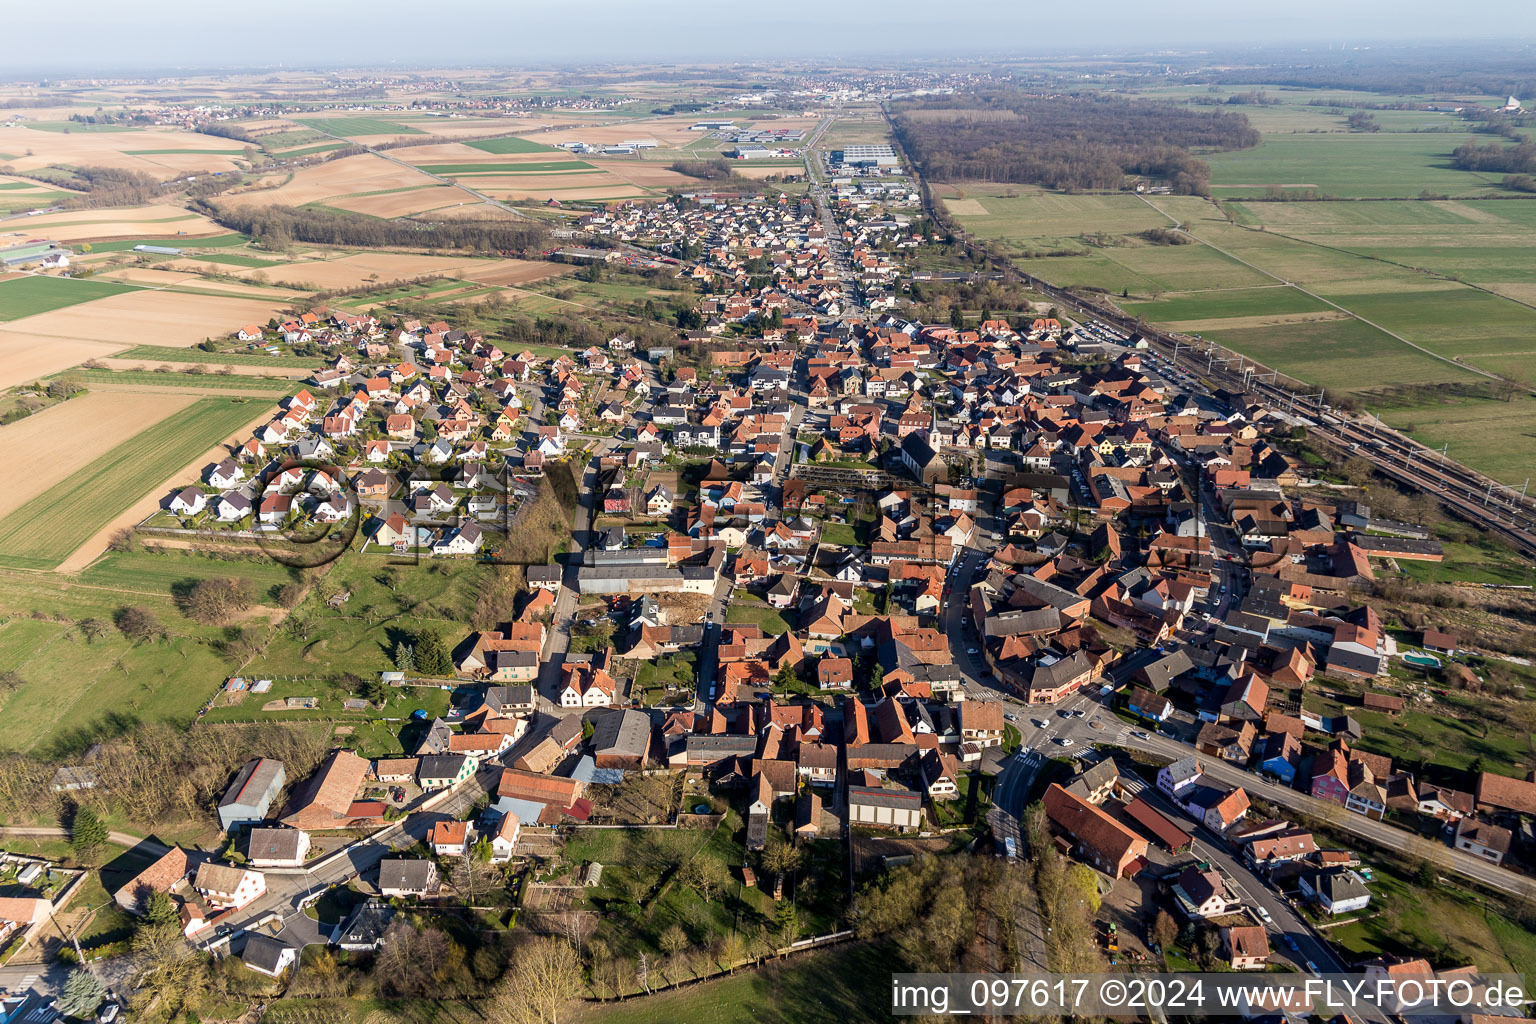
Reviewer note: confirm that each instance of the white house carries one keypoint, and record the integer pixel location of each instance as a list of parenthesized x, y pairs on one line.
[(1336, 892), (226, 887), (189, 502), (505, 838), (465, 540), (225, 475)]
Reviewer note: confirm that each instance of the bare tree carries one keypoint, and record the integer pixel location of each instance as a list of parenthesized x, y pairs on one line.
[(545, 977)]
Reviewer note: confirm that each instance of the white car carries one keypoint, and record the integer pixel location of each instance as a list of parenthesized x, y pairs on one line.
[(1265, 916), (1065, 741)]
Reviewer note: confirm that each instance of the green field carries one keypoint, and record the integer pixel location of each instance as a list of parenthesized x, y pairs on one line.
[(235, 259), (310, 150), (1274, 300), (178, 242), (31, 200), (28, 296), (192, 381), (348, 127), (171, 354), (509, 144), (44, 531), (1351, 166), (540, 167)]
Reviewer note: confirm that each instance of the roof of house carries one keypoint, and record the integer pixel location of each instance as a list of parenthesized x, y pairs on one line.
[(213, 877), (264, 952), (625, 733), (1248, 940), (327, 796), (253, 782), (1091, 826), (1510, 794), (275, 843), (406, 873), (158, 877)]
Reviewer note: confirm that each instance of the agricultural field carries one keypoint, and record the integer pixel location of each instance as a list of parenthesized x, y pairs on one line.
[(133, 225), (54, 445), (1349, 296), (354, 176), (509, 144), (161, 152), (1349, 166), (44, 531), (356, 127), (28, 296)]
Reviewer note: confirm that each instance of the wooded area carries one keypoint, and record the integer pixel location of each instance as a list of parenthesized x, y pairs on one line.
[(1065, 141), (278, 226)]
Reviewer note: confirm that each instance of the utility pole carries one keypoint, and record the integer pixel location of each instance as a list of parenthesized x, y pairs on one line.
[(1489, 493), (1445, 448)]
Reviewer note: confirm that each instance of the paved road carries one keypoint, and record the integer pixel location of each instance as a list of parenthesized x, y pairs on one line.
[(1113, 731), (287, 890)]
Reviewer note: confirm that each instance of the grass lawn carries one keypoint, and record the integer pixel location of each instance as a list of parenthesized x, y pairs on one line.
[(679, 670), (839, 985), (26, 296), (755, 613), (1453, 743), (1447, 924), (509, 144), (44, 531), (838, 533)]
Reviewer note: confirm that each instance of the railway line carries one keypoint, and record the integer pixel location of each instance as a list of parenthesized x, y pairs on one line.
[(1483, 502)]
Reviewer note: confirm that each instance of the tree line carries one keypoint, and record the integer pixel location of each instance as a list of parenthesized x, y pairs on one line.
[(1070, 142), (1492, 156), (278, 227)]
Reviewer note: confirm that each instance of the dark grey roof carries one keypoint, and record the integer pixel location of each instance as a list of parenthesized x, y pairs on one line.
[(264, 953), (410, 874), (867, 796), (441, 766), (623, 733), (274, 844), (253, 783)]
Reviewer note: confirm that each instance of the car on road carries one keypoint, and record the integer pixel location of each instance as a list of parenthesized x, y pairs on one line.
[(1078, 713), (1139, 734), (970, 651), (1311, 967), (1038, 723), (1065, 741), (1010, 716), (1265, 916), (946, 606), (108, 1013), (1064, 713), (1290, 940)]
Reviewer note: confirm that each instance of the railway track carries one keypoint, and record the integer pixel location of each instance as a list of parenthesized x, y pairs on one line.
[(1485, 503)]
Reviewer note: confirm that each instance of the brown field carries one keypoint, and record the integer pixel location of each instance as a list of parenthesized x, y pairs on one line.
[(669, 131), (530, 189), (1239, 323), (505, 272), (757, 173), (642, 173), (399, 204), (322, 182), (158, 278), (130, 222), (46, 448), (477, 211), (355, 270), (94, 548), (145, 318), (111, 149), (26, 357)]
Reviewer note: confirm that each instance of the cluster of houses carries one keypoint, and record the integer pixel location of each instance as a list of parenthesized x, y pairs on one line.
[(734, 241)]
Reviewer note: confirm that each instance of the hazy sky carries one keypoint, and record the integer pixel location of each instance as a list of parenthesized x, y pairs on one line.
[(103, 35)]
